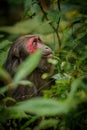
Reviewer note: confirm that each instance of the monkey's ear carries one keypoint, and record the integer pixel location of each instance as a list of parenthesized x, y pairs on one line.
[(12, 60), (11, 64)]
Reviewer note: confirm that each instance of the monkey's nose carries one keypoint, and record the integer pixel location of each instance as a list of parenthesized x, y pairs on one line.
[(48, 49), (47, 52)]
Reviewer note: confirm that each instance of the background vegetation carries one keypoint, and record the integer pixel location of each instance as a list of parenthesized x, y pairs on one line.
[(62, 24)]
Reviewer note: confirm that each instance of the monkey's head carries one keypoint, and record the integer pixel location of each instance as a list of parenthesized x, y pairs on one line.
[(25, 46)]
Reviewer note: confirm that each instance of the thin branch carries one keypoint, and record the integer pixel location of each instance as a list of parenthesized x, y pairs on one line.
[(55, 29), (58, 4), (44, 13)]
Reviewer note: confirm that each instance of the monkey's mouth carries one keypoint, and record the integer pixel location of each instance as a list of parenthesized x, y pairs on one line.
[(48, 55)]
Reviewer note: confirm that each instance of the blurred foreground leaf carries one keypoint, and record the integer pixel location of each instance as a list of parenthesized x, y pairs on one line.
[(27, 67), (51, 107), (28, 26), (22, 71), (6, 114), (45, 107)]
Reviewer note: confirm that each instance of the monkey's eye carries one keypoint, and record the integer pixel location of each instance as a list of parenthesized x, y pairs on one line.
[(34, 43)]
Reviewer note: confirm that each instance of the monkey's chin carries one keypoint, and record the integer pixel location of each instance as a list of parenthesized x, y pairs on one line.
[(50, 56)]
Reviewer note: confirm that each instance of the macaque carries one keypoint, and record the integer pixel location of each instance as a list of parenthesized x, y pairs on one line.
[(20, 49)]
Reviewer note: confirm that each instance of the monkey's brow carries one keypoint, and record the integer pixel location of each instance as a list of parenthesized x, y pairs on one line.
[(26, 36), (29, 36)]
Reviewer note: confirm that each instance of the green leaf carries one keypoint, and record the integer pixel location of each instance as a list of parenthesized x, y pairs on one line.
[(4, 44), (60, 76), (5, 114), (5, 75), (53, 15), (47, 124), (27, 4), (36, 8), (27, 67), (45, 107), (26, 82)]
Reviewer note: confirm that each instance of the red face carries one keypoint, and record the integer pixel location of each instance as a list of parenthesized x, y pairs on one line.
[(35, 43)]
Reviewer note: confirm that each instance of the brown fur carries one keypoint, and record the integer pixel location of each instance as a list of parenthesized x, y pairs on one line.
[(17, 54)]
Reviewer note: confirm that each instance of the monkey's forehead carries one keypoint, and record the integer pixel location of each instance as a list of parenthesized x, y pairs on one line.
[(29, 36), (26, 38)]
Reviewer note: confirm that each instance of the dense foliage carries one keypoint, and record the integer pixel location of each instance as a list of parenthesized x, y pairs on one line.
[(62, 24)]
